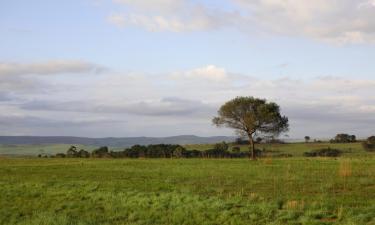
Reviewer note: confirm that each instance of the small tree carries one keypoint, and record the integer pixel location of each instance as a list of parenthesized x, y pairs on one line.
[(250, 116), (221, 146), (179, 152), (83, 154), (72, 152), (307, 139)]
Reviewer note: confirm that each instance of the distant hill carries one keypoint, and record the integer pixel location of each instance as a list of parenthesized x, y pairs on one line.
[(111, 142)]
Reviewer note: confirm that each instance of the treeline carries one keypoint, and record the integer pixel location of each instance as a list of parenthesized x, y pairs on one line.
[(220, 150)]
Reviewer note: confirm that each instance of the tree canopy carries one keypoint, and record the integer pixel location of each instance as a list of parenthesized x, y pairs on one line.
[(250, 116)]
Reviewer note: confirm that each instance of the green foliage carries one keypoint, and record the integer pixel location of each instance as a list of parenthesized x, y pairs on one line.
[(83, 154), (369, 144), (221, 146), (101, 152), (236, 149), (249, 116), (325, 152), (294, 149), (72, 152), (219, 150), (344, 138)]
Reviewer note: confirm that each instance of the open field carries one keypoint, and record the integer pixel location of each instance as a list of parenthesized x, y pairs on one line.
[(188, 191)]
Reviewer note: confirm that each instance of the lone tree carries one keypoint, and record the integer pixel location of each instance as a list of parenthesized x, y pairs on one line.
[(307, 139), (251, 116)]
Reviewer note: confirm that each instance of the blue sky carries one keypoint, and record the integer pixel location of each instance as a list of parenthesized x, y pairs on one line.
[(163, 67)]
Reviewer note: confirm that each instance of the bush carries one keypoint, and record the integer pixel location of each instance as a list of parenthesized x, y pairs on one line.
[(101, 152), (72, 152), (236, 149), (369, 144), (83, 154), (325, 152), (344, 138), (222, 147)]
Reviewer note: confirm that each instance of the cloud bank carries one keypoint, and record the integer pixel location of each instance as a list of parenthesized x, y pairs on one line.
[(48, 68), (339, 22), (180, 102)]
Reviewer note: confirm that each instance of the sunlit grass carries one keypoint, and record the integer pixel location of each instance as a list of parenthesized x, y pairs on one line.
[(187, 191)]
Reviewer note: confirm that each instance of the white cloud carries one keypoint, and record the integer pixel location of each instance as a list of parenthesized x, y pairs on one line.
[(154, 5), (187, 100), (344, 21), (167, 15), (28, 77), (206, 73), (336, 21), (46, 68)]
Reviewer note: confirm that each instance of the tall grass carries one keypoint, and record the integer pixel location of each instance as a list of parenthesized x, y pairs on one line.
[(187, 191)]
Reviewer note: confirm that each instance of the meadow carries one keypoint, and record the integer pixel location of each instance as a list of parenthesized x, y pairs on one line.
[(294, 190)]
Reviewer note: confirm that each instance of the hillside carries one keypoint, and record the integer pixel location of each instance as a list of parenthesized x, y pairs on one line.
[(111, 142)]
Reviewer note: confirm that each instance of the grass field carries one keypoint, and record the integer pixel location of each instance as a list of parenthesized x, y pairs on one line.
[(188, 191)]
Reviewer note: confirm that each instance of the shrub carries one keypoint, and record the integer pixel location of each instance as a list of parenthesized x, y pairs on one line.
[(325, 152), (369, 144), (236, 149), (100, 152), (222, 147), (178, 152), (72, 152), (83, 154), (344, 138)]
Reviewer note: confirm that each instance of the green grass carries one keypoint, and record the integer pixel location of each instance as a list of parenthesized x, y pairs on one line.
[(188, 191)]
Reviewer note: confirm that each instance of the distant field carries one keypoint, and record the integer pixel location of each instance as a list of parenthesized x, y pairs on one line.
[(188, 191), (295, 149)]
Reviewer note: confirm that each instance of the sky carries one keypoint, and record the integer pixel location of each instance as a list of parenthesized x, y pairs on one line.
[(120, 68)]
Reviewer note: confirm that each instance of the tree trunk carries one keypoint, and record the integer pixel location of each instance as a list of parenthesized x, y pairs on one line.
[(252, 147)]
